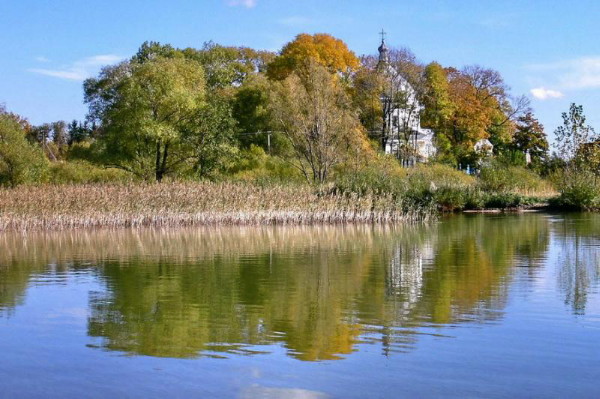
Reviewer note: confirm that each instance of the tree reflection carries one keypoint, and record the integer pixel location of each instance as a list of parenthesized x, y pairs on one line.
[(579, 258), (318, 291)]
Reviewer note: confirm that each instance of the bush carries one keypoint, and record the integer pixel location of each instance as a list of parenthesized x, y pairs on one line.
[(383, 176), (80, 172), (475, 199), (437, 175), (20, 161), (253, 164), (450, 199), (507, 200), (578, 190), (500, 178)]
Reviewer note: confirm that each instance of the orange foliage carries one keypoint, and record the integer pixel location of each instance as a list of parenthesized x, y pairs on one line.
[(325, 49)]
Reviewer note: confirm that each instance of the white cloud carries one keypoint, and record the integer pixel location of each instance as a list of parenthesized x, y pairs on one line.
[(42, 59), (583, 73), (578, 73), (81, 69), (294, 21), (243, 3), (542, 93)]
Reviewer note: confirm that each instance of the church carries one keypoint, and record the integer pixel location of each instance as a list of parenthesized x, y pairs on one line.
[(402, 133)]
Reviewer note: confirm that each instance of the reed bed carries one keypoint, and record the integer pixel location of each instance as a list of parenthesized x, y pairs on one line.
[(62, 207)]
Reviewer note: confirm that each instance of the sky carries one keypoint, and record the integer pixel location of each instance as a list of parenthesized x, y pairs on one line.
[(546, 49)]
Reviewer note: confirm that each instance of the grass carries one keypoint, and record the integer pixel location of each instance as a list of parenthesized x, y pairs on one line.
[(58, 207)]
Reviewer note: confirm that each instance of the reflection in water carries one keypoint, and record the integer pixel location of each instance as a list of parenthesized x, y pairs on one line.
[(256, 391), (579, 258), (318, 291)]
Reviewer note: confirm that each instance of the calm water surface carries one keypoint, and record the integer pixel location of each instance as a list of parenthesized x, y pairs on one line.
[(472, 306)]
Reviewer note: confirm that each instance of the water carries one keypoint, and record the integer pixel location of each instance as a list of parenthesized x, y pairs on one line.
[(472, 306)]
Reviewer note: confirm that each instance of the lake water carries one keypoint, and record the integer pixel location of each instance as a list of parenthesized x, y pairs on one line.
[(471, 306)]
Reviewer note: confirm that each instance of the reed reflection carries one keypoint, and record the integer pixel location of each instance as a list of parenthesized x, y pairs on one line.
[(318, 291)]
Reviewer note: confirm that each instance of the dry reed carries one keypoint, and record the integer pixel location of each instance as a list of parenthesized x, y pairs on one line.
[(190, 204)]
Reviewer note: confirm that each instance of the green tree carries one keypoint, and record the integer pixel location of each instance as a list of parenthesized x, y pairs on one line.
[(145, 110), (530, 137), (228, 67), (149, 50), (20, 161), (79, 132), (208, 141), (316, 115), (251, 110), (367, 87), (575, 140), (438, 106)]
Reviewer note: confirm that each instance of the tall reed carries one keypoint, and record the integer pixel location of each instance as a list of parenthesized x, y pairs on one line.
[(189, 204)]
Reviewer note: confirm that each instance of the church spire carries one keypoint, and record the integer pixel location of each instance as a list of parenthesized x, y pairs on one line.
[(384, 57)]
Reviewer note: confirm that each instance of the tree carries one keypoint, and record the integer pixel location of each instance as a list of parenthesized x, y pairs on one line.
[(251, 110), (466, 106), (573, 137), (530, 137), (438, 107), (60, 133), (79, 132), (144, 110), (367, 87), (208, 138), (321, 48), (20, 161), (149, 50), (315, 114)]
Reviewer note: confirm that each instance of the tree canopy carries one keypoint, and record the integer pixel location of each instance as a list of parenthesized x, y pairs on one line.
[(144, 113), (316, 115), (321, 48)]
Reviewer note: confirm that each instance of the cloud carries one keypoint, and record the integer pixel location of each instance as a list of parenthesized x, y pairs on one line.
[(578, 73), (243, 3), (42, 59), (583, 73), (542, 93), (294, 21), (81, 69)]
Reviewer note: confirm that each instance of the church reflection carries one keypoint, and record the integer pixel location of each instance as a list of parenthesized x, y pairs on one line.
[(318, 291)]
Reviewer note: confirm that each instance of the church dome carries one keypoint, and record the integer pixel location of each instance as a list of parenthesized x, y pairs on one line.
[(383, 48), (384, 57)]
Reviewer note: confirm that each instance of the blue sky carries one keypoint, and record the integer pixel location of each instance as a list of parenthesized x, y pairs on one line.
[(547, 49)]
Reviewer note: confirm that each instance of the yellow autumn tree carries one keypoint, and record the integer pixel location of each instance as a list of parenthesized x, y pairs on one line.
[(321, 48)]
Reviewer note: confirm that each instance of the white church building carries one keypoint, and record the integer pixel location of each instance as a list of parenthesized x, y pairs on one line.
[(402, 116)]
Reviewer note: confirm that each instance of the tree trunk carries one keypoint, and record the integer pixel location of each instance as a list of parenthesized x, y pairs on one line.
[(157, 169)]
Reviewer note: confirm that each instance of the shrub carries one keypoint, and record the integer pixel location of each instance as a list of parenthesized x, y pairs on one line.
[(20, 161), (438, 175), (254, 165), (500, 178), (450, 199), (578, 190), (475, 198), (81, 172), (382, 176)]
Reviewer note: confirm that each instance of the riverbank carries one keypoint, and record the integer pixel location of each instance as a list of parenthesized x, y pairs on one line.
[(179, 204), (59, 207)]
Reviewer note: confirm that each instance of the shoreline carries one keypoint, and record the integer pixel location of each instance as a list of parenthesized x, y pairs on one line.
[(196, 204)]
